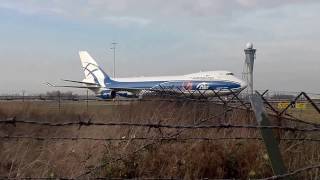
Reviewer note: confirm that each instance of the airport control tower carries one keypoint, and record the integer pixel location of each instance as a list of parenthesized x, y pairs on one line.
[(250, 53)]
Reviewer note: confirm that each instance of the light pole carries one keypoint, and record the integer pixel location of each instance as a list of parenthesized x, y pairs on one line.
[(114, 58)]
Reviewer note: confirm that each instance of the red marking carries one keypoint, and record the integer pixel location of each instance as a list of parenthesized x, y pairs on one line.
[(187, 85)]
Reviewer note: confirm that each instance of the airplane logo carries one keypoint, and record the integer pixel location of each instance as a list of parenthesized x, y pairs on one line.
[(203, 86)]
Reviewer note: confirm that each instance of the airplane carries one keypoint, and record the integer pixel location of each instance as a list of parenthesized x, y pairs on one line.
[(202, 84)]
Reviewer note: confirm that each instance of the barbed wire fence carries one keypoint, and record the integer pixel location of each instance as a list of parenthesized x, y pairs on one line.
[(233, 102)]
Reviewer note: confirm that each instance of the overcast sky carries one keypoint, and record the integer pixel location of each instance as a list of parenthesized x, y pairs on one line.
[(40, 39)]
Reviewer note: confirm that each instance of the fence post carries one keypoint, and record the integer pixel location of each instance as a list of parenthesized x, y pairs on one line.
[(268, 137), (23, 92), (261, 116), (87, 100), (59, 100)]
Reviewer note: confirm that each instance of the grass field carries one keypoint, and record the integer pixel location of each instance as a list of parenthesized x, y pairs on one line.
[(148, 158)]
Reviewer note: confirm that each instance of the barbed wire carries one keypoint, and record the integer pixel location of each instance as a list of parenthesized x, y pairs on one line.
[(293, 173), (96, 178), (44, 178), (43, 138), (81, 123), (70, 178)]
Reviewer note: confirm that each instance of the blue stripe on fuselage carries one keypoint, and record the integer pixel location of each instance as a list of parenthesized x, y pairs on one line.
[(182, 85)]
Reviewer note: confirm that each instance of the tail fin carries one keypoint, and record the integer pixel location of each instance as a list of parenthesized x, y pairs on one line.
[(92, 71)]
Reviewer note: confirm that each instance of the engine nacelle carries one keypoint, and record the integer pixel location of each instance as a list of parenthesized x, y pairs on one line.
[(126, 94), (107, 94)]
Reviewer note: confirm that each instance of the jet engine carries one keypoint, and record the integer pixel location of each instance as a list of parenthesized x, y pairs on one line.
[(107, 94)]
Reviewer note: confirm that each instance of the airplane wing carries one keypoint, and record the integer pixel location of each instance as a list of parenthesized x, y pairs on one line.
[(81, 87)]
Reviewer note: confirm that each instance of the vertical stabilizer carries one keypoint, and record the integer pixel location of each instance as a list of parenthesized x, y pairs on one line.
[(92, 71)]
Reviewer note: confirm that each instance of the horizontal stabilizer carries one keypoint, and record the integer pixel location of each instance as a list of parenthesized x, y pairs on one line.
[(81, 82)]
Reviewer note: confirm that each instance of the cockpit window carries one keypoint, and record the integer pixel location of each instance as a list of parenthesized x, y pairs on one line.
[(230, 74)]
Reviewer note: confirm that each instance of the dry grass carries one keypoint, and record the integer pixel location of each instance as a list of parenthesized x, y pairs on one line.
[(187, 160)]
